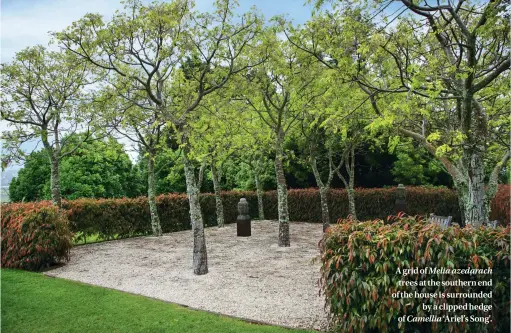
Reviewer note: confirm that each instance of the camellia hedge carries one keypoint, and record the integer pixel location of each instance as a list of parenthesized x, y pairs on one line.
[(501, 205), (127, 217), (360, 277), (34, 235)]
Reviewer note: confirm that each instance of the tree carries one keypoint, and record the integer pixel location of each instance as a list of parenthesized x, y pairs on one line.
[(32, 182), (214, 141), (148, 47), (319, 142), (169, 171), (259, 163), (415, 166), (278, 91), (439, 76), (332, 135), (143, 125), (98, 169), (353, 136), (43, 98), (254, 145)]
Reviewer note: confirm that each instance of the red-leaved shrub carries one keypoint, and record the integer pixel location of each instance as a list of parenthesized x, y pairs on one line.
[(128, 217), (34, 235), (360, 278), (501, 205)]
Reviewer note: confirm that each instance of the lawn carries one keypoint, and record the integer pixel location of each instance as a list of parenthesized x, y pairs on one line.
[(32, 302)]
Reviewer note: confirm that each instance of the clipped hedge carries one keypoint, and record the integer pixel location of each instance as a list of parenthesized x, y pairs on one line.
[(128, 217), (501, 205), (359, 274), (34, 235), (304, 205)]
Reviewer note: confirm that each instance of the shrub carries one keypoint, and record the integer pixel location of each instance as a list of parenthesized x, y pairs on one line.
[(34, 235), (129, 217), (372, 203), (109, 217), (359, 273), (119, 218), (501, 205)]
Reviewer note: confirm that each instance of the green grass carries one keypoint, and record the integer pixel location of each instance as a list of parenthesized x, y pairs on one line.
[(79, 239), (32, 303)]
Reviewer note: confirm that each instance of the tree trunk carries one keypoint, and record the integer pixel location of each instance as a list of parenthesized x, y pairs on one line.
[(201, 175), (351, 201), (462, 192), (351, 185), (476, 212), (218, 198), (54, 157), (281, 194), (151, 196), (55, 180), (200, 255), (260, 193), (323, 193), (325, 214)]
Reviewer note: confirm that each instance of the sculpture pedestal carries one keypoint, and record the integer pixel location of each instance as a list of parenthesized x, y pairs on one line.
[(400, 205), (243, 220), (244, 227)]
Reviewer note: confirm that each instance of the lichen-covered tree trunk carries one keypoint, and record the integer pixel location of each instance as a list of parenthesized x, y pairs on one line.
[(200, 255), (323, 194), (476, 212), (260, 194), (151, 197), (218, 198), (56, 197), (462, 192), (351, 203), (54, 157), (201, 175), (351, 184), (325, 214), (282, 194)]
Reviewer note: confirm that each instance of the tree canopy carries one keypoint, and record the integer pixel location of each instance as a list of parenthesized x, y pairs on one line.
[(97, 169)]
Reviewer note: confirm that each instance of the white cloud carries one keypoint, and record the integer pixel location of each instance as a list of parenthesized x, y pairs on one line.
[(26, 23)]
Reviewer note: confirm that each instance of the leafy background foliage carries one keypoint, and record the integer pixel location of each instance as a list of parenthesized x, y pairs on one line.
[(97, 169)]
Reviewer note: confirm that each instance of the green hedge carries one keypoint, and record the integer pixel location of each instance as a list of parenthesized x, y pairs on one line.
[(359, 274), (34, 235)]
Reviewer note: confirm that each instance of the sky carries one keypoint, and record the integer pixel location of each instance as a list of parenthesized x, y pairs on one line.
[(27, 23)]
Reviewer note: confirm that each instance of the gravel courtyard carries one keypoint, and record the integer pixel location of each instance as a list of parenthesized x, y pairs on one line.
[(248, 277)]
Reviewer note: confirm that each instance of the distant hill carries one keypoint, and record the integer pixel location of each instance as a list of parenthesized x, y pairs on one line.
[(4, 194)]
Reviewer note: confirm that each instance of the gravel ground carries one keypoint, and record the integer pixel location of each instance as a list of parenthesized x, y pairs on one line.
[(249, 277)]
